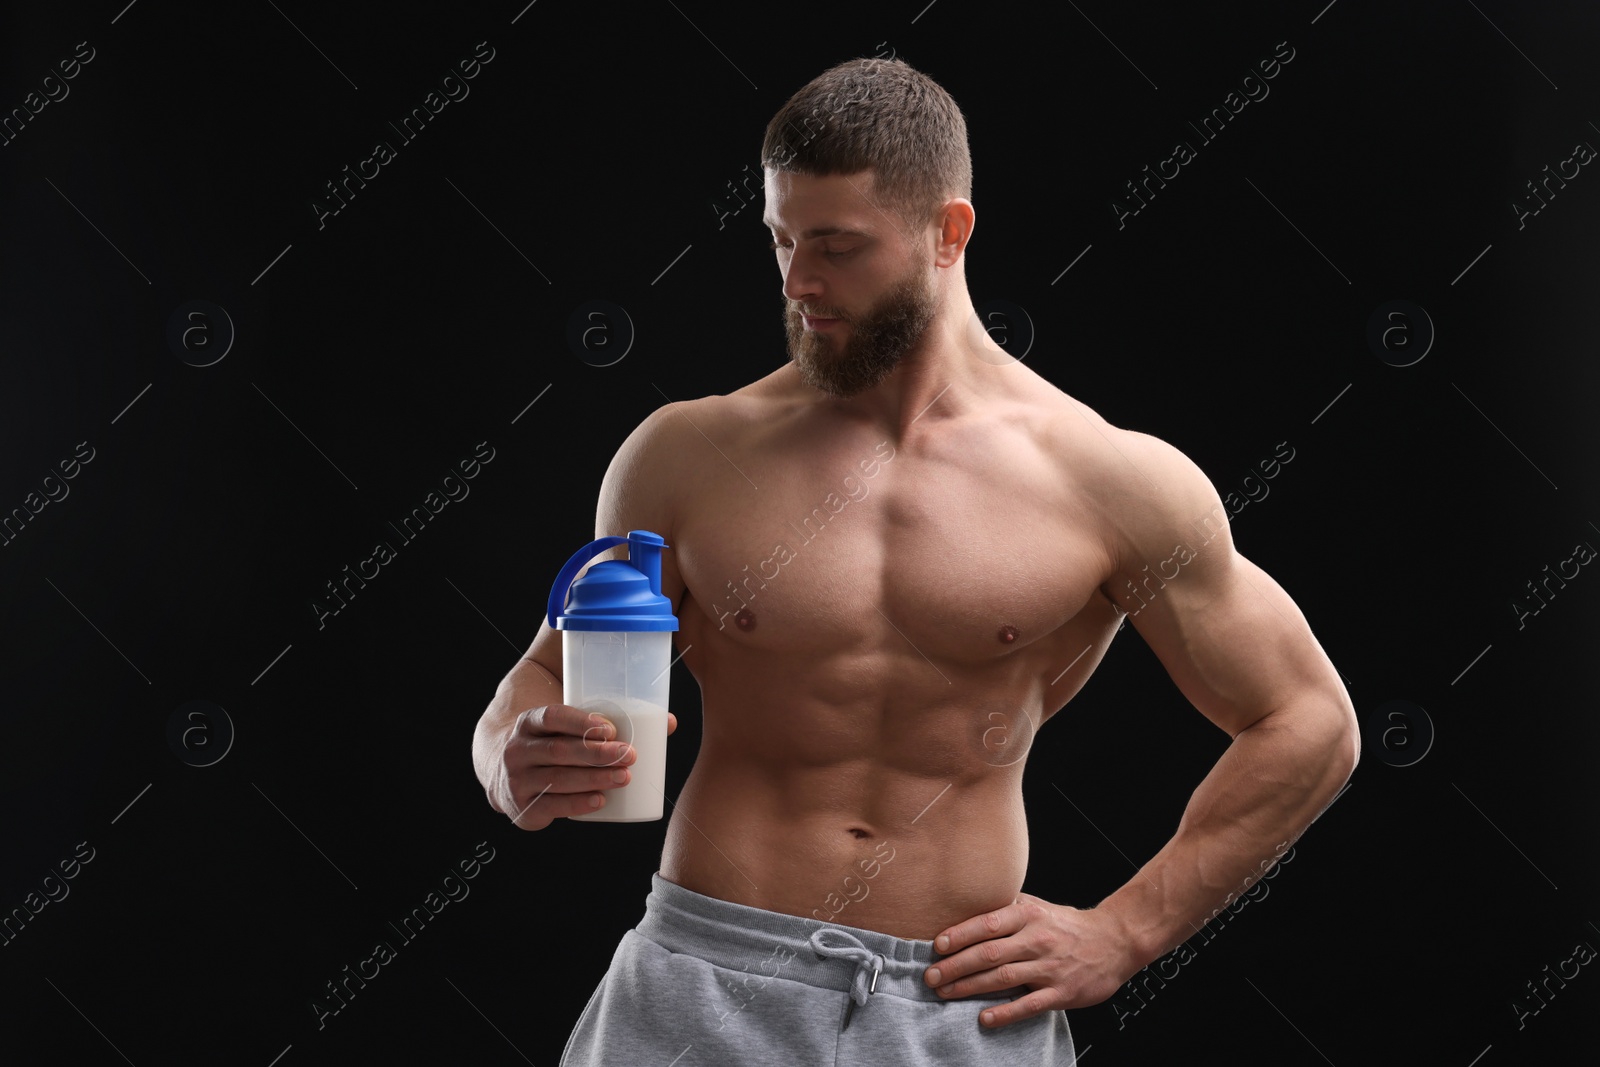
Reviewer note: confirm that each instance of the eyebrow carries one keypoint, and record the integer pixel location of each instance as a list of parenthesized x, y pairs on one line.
[(820, 231)]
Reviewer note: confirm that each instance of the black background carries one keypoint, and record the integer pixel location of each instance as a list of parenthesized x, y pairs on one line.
[(375, 351)]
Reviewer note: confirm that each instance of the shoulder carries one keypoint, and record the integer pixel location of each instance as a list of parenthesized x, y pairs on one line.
[(680, 448), (1152, 502), (656, 442), (685, 418), (636, 491), (1128, 464)]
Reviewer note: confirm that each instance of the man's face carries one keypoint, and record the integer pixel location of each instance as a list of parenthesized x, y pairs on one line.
[(857, 294)]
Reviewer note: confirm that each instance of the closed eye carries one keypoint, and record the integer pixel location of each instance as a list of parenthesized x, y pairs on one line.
[(836, 255)]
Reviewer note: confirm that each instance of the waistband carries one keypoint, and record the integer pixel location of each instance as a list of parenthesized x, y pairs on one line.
[(770, 944)]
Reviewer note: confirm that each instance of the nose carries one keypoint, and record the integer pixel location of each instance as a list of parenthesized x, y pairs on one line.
[(801, 283)]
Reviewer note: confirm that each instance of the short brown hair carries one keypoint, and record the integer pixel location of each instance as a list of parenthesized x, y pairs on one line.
[(880, 114)]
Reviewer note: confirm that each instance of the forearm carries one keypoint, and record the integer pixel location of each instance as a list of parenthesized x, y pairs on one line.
[(1269, 785), (527, 685)]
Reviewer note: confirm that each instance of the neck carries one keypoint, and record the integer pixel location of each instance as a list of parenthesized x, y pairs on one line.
[(951, 371)]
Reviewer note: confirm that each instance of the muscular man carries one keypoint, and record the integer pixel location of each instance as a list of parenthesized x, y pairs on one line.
[(891, 558)]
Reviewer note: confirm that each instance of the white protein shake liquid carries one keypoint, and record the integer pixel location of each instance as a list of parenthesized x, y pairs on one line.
[(644, 726)]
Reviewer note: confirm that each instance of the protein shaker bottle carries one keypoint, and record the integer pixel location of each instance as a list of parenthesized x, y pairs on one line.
[(616, 646)]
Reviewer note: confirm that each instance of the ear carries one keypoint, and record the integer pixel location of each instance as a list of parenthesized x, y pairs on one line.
[(954, 221)]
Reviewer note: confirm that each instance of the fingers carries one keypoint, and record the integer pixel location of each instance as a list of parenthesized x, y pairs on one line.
[(980, 946), (579, 751), (558, 760), (559, 735), (1017, 1010), (566, 765), (979, 928), (545, 807), (563, 719), (1030, 944), (1002, 976)]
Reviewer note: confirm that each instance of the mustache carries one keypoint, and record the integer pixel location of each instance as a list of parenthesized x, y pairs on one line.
[(795, 309)]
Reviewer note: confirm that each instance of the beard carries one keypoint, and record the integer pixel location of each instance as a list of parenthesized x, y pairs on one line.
[(877, 341)]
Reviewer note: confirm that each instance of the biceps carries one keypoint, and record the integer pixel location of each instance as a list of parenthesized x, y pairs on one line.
[(1233, 641)]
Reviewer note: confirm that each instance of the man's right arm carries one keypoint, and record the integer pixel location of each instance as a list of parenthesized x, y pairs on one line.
[(530, 746)]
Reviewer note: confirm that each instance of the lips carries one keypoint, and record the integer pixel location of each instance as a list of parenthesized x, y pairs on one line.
[(814, 323)]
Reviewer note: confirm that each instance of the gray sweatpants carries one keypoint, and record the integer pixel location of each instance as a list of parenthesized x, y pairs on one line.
[(702, 982)]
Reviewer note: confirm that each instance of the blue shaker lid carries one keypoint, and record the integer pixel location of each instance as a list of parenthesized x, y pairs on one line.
[(615, 595)]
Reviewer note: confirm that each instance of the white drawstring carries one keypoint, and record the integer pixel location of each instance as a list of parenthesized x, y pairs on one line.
[(852, 949)]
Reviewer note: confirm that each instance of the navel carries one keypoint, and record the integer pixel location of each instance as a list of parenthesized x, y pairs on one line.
[(1007, 634)]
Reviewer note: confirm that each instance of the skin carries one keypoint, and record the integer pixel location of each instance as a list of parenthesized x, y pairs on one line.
[(869, 696)]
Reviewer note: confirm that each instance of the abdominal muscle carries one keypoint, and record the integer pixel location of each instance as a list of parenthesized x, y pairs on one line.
[(853, 843), (850, 769)]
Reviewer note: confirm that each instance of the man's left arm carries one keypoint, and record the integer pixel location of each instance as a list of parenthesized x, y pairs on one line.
[(1240, 650)]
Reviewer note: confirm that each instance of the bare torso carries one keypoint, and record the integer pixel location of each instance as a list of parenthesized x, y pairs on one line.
[(879, 628)]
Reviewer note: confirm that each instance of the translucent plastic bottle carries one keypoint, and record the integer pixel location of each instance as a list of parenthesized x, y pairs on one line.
[(616, 646)]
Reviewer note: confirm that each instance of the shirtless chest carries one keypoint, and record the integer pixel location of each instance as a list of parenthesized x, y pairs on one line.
[(826, 563), (876, 624)]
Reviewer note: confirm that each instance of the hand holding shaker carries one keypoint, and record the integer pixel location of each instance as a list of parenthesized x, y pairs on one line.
[(616, 646)]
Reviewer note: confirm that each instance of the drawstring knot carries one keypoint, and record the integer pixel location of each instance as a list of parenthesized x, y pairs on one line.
[(849, 947)]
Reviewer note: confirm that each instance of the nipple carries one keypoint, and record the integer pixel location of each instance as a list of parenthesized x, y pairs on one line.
[(1008, 634), (745, 620)]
